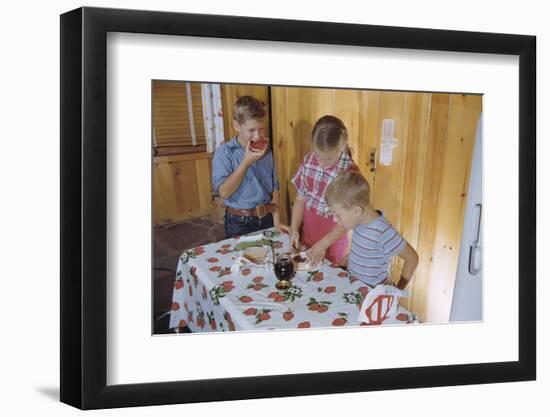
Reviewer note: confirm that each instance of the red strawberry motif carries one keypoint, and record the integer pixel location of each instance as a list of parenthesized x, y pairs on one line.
[(250, 312), (402, 317), (226, 246), (227, 286), (339, 321), (264, 316), (216, 268), (288, 315), (257, 279), (179, 284), (190, 290), (318, 276), (185, 305), (213, 324), (342, 274), (279, 298), (258, 287), (245, 299), (175, 306), (273, 294), (212, 260), (199, 250), (182, 323), (246, 271), (314, 307), (304, 325), (330, 290), (322, 308)]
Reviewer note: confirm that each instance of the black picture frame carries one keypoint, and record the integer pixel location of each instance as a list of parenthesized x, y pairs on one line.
[(84, 207)]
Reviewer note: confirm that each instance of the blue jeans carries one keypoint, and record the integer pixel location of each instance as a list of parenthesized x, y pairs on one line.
[(241, 225)]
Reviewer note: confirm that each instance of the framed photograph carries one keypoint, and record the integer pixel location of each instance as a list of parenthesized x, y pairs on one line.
[(164, 285)]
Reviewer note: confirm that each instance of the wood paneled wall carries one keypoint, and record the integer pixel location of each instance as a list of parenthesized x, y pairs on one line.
[(423, 192), (182, 187)]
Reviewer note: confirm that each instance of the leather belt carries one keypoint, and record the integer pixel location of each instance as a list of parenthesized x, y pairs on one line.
[(260, 211)]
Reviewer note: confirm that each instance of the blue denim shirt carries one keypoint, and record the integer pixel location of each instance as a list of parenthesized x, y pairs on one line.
[(258, 183)]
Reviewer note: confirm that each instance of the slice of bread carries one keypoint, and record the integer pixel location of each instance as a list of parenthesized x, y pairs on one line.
[(255, 254)]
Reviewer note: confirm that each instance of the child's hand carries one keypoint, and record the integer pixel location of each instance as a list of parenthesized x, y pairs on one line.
[(317, 253), (251, 155), (294, 238), (281, 227)]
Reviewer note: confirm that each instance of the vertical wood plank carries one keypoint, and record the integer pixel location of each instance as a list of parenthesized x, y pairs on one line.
[(436, 144), (463, 115), (367, 131), (307, 119), (158, 207), (299, 130), (204, 184), (418, 108), (227, 109), (166, 190), (280, 145), (324, 102), (347, 108), (185, 186), (388, 179)]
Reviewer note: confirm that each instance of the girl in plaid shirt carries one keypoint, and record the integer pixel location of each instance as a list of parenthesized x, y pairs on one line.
[(329, 157)]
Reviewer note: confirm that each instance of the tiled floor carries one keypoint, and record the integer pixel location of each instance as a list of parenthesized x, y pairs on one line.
[(169, 242)]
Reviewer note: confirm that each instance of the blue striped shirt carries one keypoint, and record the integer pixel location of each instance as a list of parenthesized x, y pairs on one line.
[(258, 183), (372, 247)]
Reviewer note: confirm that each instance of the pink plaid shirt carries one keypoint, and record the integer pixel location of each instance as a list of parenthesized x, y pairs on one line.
[(311, 180)]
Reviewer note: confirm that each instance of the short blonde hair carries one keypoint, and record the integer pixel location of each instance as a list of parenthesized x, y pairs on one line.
[(328, 132), (247, 108), (349, 188)]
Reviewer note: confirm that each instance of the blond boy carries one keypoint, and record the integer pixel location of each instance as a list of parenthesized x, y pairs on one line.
[(375, 241), (244, 175)]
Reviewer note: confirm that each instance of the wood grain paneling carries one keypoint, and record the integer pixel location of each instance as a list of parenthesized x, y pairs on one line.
[(367, 129), (388, 179), (420, 192), (418, 108), (346, 105), (463, 116), (279, 149), (182, 187)]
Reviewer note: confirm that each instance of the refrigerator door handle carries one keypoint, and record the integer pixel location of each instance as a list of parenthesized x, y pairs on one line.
[(475, 259)]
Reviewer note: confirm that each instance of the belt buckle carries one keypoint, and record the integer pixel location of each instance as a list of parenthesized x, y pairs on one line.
[(261, 211)]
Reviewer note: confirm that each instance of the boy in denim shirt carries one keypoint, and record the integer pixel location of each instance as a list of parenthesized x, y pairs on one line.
[(244, 175)]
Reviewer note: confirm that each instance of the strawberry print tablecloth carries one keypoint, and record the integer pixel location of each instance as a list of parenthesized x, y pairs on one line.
[(209, 297)]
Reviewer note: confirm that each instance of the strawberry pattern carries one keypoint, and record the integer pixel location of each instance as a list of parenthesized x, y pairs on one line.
[(209, 297)]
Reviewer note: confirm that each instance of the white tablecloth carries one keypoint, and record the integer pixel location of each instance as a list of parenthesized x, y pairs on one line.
[(208, 296)]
